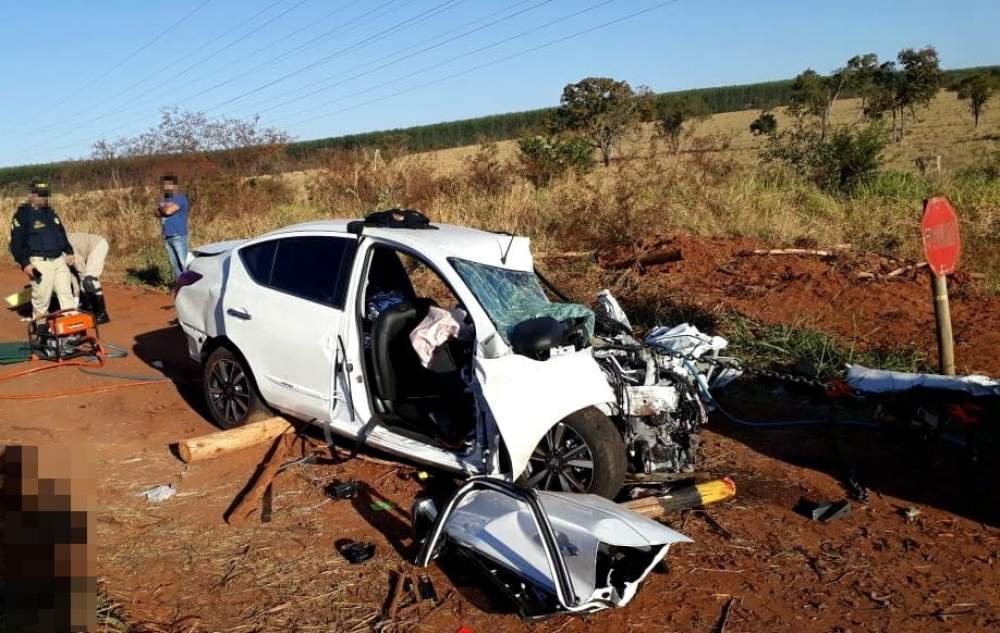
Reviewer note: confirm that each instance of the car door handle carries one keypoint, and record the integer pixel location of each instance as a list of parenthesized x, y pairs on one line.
[(239, 314)]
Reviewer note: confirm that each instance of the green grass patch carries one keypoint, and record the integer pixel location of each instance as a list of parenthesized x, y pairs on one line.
[(809, 351)]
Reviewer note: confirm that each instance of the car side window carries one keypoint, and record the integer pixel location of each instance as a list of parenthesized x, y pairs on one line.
[(316, 268), (259, 260)]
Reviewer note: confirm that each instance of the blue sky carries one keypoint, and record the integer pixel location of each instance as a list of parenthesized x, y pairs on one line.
[(76, 71)]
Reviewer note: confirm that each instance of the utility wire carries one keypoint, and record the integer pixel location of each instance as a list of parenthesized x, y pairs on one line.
[(328, 58), (399, 54), (462, 56), (179, 73), (499, 60), (127, 58), (436, 9), (357, 21)]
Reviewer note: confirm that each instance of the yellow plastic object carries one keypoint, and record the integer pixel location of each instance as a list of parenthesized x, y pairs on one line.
[(19, 298), (716, 490)]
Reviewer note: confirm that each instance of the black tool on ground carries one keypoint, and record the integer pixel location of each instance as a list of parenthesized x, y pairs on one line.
[(355, 552), (339, 490), (824, 511), (425, 588)]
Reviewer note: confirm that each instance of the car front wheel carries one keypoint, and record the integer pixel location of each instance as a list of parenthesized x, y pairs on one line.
[(584, 452), (230, 392)]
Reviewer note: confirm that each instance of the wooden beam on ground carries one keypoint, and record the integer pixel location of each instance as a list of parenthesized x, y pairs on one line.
[(652, 258), (222, 442), (251, 498)]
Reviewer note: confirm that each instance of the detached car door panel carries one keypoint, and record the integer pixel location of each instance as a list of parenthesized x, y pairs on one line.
[(283, 308)]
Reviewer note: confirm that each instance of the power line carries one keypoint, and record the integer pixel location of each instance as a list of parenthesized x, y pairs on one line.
[(399, 58), (126, 90), (357, 20), (128, 57), (328, 58), (500, 60), (400, 25), (464, 55)]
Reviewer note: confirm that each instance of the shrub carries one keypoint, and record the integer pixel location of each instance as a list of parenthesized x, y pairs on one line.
[(485, 171), (840, 162), (764, 125), (543, 159)]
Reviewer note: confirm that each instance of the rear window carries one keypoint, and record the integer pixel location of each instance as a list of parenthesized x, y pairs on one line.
[(259, 260), (315, 268)]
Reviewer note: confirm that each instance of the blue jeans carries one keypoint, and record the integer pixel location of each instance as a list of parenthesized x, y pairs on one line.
[(177, 251)]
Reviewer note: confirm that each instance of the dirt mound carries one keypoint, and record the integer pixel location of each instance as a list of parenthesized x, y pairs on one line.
[(871, 301)]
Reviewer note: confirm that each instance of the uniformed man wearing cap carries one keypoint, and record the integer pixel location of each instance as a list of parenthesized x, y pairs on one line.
[(39, 245)]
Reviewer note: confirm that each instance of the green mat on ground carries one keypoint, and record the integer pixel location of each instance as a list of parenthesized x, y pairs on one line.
[(14, 352)]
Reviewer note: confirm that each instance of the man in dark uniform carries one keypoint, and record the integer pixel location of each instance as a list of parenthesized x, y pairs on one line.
[(39, 245)]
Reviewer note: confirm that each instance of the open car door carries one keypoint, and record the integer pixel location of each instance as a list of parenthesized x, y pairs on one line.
[(547, 552)]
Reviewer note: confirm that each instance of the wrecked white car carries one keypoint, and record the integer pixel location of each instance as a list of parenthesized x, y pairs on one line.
[(439, 344)]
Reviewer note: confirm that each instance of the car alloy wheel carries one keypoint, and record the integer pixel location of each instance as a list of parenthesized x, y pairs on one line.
[(229, 391), (562, 461)]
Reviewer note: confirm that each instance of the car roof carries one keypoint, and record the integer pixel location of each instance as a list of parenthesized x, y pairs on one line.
[(441, 242)]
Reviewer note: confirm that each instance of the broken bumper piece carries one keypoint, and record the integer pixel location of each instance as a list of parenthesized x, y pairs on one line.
[(548, 552)]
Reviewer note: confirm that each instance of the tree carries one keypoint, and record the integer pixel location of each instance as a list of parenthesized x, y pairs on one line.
[(186, 132), (900, 87), (814, 95), (764, 125), (677, 115), (601, 110), (977, 90)]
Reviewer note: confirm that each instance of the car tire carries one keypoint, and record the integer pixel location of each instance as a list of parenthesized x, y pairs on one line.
[(230, 390), (584, 452)]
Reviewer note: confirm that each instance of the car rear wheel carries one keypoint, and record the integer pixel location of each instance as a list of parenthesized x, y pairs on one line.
[(582, 453), (230, 392)]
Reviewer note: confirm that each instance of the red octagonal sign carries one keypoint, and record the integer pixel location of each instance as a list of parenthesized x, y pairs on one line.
[(940, 231)]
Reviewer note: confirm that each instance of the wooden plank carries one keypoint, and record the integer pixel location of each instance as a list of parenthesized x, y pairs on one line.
[(222, 442)]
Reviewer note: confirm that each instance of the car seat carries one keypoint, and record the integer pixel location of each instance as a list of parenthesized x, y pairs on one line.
[(408, 390)]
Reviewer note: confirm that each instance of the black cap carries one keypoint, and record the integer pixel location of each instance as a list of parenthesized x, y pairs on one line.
[(40, 188)]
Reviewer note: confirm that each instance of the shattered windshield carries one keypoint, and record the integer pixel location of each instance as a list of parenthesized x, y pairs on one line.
[(512, 296)]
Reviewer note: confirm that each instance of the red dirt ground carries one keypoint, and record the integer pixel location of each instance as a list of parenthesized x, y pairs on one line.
[(825, 294), (176, 566)]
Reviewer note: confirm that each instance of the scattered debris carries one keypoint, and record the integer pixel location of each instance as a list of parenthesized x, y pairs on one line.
[(684, 498), (909, 513), (649, 258), (156, 494), (247, 502), (339, 490), (824, 511), (356, 552), (267, 505), (507, 535), (816, 252), (381, 505), (724, 618)]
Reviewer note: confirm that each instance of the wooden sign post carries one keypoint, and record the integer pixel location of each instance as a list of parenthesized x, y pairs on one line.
[(942, 247)]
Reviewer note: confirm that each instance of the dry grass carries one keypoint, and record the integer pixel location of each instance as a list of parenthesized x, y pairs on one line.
[(715, 187)]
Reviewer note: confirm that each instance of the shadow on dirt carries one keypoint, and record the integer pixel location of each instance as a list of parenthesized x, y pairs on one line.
[(959, 473), (392, 521), (166, 351)]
